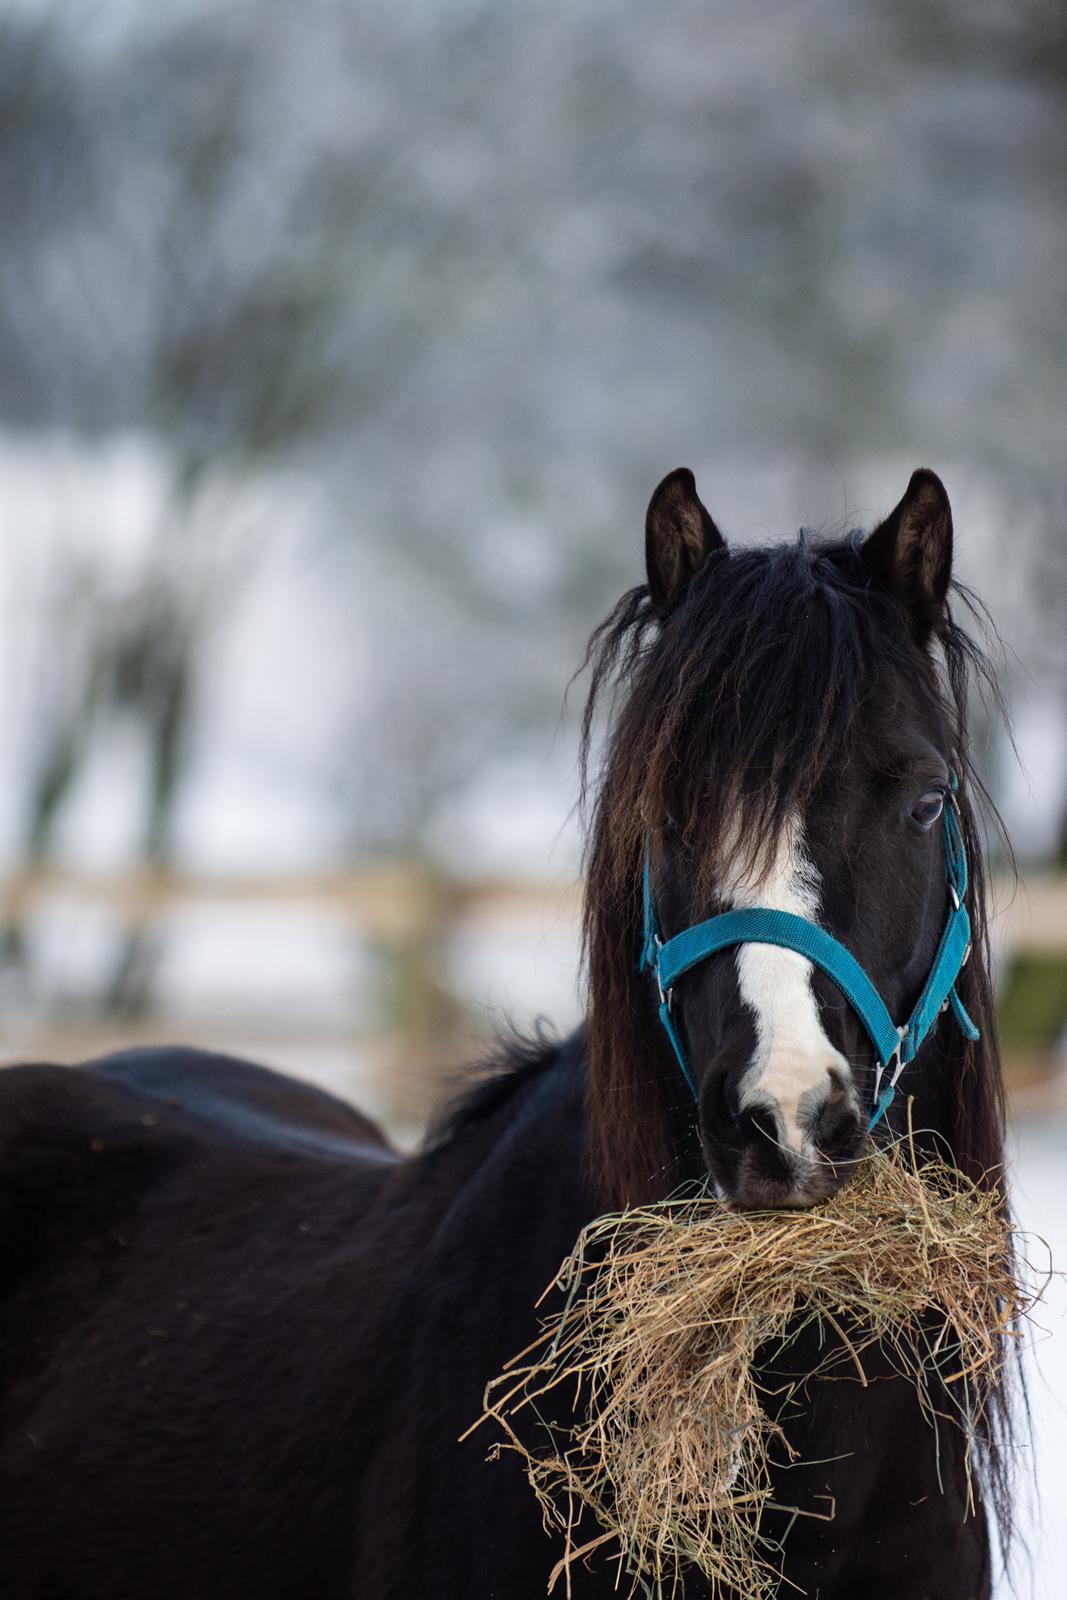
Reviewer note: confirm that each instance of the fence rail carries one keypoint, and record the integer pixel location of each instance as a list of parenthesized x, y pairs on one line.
[(398, 898), (411, 912), (387, 899)]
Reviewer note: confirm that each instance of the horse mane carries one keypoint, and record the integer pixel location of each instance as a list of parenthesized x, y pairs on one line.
[(726, 719), (480, 1091)]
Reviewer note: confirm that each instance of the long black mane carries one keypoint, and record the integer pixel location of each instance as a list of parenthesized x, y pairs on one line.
[(725, 720)]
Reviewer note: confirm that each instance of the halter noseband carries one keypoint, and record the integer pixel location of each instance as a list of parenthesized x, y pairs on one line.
[(668, 959)]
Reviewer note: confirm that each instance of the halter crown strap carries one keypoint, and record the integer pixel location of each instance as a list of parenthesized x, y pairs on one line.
[(670, 959)]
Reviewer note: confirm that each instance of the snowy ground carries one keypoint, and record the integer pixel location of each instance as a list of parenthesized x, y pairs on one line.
[(1040, 1193)]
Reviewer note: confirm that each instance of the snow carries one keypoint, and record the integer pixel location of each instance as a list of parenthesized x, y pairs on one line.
[(1039, 1171)]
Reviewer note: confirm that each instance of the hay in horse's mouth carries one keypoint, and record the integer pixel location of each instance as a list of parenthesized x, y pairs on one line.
[(666, 1308)]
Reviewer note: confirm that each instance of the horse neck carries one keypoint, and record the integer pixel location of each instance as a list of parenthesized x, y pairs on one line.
[(511, 1175)]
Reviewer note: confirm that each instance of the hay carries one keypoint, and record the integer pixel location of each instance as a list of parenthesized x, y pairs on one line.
[(654, 1354)]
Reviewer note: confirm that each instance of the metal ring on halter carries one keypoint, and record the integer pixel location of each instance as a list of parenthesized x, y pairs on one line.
[(894, 1066), (664, 994)]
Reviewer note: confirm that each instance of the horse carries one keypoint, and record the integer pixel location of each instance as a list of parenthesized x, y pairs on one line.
[(242, 1336)]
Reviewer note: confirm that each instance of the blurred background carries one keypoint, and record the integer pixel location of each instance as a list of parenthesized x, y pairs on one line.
[(340, 349)]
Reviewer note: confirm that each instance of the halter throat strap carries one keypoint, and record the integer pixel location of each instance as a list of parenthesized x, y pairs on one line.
[(669, 959)]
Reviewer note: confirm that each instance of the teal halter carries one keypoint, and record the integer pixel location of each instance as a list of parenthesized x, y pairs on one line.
[(668, 959)]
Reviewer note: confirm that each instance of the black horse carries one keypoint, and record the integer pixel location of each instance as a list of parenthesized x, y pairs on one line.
[(241, 1337)]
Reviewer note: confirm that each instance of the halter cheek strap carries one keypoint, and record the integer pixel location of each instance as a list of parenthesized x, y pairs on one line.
[(669, 959)]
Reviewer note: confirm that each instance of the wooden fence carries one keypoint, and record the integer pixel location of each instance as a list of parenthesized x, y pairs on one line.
[(411, 912)]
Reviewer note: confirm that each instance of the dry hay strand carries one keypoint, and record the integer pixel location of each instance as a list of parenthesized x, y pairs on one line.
[(666, 1440)]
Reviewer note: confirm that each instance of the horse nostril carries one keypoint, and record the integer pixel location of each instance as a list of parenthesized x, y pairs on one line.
[(725, 1103), (837, 1125), (759, 1122), (724, 1118)]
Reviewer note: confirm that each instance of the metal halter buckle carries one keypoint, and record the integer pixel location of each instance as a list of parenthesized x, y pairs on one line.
[(664, 994), (894, 1066)]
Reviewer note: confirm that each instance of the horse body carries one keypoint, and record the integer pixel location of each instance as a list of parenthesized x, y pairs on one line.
[(241, 1337), (247, 1367), (258, 1358)]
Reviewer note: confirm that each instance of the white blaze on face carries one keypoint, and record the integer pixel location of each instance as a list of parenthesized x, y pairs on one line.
[(795, 1068)]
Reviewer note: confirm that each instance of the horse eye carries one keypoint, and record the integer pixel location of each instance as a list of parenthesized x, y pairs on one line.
[(926, 811)]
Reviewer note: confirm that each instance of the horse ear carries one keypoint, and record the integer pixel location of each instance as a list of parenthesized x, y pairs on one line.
[(911, 551), (679, 535)]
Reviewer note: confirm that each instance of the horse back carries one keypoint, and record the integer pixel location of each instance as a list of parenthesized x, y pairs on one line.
[(84, 1152), (246, 1101)]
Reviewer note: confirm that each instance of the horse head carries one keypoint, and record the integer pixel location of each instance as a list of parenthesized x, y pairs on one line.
[(791, 738)]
